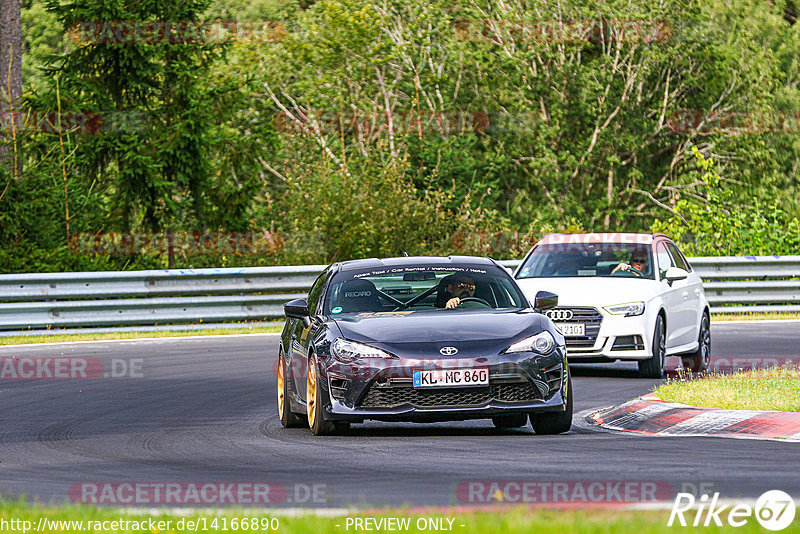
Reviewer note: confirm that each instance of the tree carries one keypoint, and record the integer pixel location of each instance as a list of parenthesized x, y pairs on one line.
[(10, 79)]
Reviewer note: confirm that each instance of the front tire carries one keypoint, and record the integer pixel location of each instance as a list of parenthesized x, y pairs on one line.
[(289, 419), (555, 422), (653, 367), (698, 361), (316, 422)]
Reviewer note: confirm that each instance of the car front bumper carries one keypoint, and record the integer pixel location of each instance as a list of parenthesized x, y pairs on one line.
[(614, 337), (383, 389)]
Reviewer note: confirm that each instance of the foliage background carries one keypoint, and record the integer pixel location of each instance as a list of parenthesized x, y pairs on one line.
[(257, 135)]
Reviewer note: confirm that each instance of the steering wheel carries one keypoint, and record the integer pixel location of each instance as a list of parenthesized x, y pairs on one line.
[(632, 270), (635, 271), (475, 299)]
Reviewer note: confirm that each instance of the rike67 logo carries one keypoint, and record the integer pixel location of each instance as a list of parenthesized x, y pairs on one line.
[(774, 510)]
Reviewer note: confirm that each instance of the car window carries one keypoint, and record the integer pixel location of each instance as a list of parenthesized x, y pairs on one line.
[(414, 289), (315, 292), (677, 257), (577, 260), (664, 259)]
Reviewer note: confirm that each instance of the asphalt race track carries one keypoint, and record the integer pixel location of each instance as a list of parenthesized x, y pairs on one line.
[(203, 409)]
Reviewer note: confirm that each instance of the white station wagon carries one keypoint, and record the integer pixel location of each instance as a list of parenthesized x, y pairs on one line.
[(622, 296)]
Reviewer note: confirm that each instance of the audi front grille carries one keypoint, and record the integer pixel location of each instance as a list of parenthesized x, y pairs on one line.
[(590, 317)]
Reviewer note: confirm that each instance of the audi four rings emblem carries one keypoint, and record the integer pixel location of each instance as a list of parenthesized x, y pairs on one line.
[(448, 351), (559, 315)]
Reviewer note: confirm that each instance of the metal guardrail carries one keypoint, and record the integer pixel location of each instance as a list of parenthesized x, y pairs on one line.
[(58, 300), (743, 284)]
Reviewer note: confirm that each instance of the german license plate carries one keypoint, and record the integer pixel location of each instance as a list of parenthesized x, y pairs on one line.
[(572, 329), (451, 377)]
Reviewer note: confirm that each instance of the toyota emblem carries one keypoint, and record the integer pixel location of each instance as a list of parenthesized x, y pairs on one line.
[(559, 315), (448, 351)]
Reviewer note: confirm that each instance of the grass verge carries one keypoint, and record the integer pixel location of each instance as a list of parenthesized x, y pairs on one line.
[(507, 520), (777, 388), (767, 316), (61, 338)]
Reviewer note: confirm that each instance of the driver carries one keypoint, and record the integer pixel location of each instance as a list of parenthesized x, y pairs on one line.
[(457, 288), (637, 266)]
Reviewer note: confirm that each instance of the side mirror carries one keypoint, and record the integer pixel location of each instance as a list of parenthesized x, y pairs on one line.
[(674, 273), (296, 309), (545, 300)]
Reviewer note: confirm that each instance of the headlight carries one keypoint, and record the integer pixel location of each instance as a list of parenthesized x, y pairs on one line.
[(541, 343), (628, 310), (347, 351)]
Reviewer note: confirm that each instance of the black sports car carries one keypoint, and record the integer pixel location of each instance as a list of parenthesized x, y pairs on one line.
[(421, 339)]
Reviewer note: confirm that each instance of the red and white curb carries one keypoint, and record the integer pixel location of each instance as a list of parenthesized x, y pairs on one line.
[(652, 416)]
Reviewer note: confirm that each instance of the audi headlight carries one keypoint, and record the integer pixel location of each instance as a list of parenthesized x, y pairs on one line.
[(347, 351), (628, 310), (541, 343)]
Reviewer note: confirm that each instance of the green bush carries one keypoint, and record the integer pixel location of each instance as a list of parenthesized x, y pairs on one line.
[(714, 224)]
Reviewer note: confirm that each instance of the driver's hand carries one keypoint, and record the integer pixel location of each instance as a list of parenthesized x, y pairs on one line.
[(452, 303), (623, 267)]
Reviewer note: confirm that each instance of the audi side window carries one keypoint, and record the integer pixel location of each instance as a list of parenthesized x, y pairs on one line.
[(315, 292), (677, 255), (664, 259)]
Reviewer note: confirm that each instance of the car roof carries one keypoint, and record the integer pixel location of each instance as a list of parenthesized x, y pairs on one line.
[(369, 263), (602, 237)]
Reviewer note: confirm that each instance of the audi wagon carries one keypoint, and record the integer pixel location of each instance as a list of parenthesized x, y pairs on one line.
[(622, 297)]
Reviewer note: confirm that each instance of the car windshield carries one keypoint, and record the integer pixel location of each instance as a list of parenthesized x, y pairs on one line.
[(589, 259), (422, 288)]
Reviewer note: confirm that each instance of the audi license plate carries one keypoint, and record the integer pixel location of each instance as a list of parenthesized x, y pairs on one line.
[(572, 329), (451, 377)]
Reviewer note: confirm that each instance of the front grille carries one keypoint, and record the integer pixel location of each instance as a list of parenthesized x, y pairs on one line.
[(390, 397), (589, 317)]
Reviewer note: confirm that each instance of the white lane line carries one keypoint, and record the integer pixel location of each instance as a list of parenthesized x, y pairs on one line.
[(135, 340)]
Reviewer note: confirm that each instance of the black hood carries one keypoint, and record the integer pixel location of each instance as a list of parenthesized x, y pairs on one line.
[(422, 334)]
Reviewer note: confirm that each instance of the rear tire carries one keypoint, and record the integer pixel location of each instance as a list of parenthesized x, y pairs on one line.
[(653, 367), (515, 420), (289, 419), (316, 422), (555, 422), (698, 361)]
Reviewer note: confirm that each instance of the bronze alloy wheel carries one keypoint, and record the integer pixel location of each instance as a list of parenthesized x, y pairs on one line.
[(311, 393), (288, 418), (316, 421), (281, 386)]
